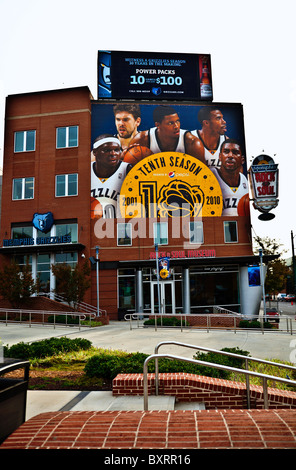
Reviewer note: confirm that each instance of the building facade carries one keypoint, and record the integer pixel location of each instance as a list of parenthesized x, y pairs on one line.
[(50, 214)]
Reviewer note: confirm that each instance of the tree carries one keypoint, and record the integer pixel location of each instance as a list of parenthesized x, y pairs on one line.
[(17, 285), (72, 283), (277, 270)]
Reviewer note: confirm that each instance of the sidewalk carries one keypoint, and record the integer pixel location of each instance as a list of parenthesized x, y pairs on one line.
[(119, 336)]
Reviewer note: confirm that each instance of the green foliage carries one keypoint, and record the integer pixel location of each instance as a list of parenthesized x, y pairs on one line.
[(165, 321), (253, 324), (45, 348), (72, 283), (108, 364), (16, 286)]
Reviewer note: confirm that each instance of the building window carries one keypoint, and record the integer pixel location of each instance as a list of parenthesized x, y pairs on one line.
[(70, 259), (196, 232), (24, 141), (18, 233), (67, 185), (124, 234), (230, 232), (23, 188), (160, 232), (67, 137), (64, 230)]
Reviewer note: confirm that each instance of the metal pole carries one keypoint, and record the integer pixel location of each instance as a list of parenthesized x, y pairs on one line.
[(157, 273), (293, 263), (262, 282), (97, 271)]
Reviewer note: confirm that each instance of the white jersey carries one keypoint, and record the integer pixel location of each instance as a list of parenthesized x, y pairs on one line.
[(231, 195), (154, 146), (211, 156), (108, 187)]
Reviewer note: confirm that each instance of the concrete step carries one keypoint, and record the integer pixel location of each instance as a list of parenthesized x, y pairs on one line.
[(192, 405), (42, 401)]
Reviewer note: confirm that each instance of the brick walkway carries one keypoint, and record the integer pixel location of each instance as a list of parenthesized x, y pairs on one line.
[(213, 429)]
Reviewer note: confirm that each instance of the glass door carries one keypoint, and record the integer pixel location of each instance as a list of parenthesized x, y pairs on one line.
[(162, 297)]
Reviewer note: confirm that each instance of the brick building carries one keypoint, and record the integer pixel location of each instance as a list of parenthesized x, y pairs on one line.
[(47, 218)]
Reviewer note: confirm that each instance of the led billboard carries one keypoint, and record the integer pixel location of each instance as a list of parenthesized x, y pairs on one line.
[(154, 76), (185, 160)]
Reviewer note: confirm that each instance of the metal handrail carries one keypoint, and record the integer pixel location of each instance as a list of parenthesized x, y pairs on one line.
[(29, 312), (183, 316), (225, 353), (264, 377)]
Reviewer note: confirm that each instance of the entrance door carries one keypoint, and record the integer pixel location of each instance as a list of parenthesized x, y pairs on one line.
[(165, 297)]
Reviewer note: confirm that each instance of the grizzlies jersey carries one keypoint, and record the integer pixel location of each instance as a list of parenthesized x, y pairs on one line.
[(153, 144), (231, 196), (108, 187), (211, 156)]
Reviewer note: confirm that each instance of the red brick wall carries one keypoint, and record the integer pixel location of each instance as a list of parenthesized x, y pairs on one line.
[(215, 393)]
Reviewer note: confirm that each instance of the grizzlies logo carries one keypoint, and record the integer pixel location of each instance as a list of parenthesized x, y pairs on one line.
[(104, 74), (180, 199), (170, 184), (43, 222)]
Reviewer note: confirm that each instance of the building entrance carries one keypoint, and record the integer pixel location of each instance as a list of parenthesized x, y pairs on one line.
[(163, 297)]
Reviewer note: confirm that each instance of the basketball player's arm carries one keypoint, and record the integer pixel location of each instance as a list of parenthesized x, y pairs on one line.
[(194, 147), (140, 139)]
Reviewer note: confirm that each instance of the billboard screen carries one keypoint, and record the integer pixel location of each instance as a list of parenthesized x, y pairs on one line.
[(151, 159), (156, 76)]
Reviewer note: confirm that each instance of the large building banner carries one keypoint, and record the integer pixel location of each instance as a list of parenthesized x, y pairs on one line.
[(168, 160)]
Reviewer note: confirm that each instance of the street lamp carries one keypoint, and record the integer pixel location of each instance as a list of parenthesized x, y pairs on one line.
[(293, 263), (96, 261)]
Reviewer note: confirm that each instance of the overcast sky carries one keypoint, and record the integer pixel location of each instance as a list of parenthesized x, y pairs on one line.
[(49, 44)]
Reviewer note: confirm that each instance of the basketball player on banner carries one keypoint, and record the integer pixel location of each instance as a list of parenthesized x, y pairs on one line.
[(107, 174), (233, 183), (166, 136), (212, 133)]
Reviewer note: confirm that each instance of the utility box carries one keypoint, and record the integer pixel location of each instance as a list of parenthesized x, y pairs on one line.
[(13, 396)]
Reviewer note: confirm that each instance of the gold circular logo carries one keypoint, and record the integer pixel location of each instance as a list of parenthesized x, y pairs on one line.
[(170, 184)]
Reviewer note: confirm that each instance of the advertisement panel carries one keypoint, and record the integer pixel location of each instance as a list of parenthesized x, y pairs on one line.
[(186, 160), (156, 76), (264, 177)]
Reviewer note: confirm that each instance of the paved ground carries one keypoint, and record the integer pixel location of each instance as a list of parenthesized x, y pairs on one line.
[(118, 335)]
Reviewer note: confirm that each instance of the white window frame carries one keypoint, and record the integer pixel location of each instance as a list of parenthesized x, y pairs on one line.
[(158, 233), (198, 229), (24, 149), (128, 227), (23, 198), (224, 227), (67, 145), (66, 182)]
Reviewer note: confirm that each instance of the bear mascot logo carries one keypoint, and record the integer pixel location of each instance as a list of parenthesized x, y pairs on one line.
[(43, 222)]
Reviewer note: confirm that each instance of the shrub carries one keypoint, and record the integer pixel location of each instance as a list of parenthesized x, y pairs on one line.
[(46, 347), (165, 321), (108, 364)]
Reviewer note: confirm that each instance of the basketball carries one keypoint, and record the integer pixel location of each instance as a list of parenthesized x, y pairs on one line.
[(243, 207), (136, 153), (96, 210)]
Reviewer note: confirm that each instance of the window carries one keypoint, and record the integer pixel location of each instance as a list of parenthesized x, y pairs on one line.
[(196, 232), (24, 141), (70, 259), (124, 234), (67, 185), (230, 232), (67, 230), (22, 232), (67, 137), (23, 188), (160, 230)]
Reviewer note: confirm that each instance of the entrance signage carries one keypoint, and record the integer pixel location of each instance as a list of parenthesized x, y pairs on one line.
[(264, 176)]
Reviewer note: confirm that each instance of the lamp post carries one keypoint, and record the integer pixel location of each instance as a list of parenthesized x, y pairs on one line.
[(157, 273), (96, 262), (293, 263), (262, 281)]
